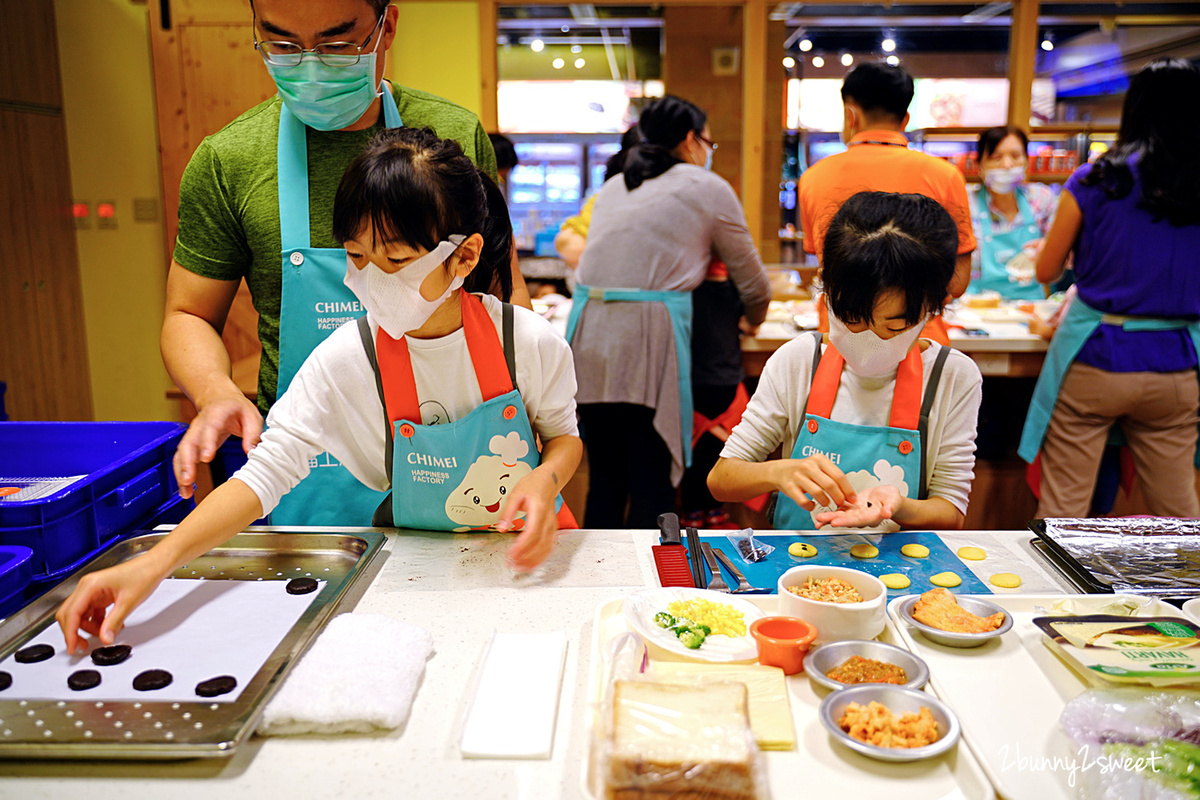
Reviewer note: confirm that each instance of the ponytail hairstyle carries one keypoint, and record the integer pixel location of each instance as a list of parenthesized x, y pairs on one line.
[(663, 125), (1160, 125), (417, 189), (616, 162), (880, 241)]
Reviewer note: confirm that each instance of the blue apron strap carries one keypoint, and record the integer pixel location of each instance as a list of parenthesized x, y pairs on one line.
[(382, 518), (292, 155), (391, 114), (931, 386)]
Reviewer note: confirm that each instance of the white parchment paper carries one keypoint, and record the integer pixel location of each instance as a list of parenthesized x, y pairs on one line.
[(194, 629)]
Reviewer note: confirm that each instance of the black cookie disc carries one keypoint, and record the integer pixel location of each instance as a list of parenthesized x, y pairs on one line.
[(152, 679), (301, 585), (83, 679), (5, 680), (34, 654), (113, 654), (216, 686)]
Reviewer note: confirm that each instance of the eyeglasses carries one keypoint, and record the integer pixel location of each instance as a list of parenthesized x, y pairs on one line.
[(711, 144), (332, 54)]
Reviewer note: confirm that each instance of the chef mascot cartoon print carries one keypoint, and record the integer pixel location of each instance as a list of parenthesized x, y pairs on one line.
[(475, 504)]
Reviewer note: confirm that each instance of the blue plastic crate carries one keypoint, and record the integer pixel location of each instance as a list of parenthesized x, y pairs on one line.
[(127, 477), (15, 576)]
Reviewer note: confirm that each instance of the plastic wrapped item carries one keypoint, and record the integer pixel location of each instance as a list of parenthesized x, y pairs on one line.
[(749, 549), (671, 740), (1135, 744), (1121, 650)]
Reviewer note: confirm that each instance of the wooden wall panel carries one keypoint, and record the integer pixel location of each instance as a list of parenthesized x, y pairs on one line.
[(216, 58), (30, 43)]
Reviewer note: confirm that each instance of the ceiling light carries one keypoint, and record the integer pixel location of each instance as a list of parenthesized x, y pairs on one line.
[(557, 63), (889, 45), (818, 62), (805, 45), (847, 59), (537, 45), (579, 62), (894, 60), (789, 62), (1047, 45), (565, 29), (576, 49)]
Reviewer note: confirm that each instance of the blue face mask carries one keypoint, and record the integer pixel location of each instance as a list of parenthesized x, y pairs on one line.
[(708, 159), (324, 97)]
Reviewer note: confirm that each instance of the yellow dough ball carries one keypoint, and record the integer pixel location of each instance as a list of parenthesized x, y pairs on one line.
[(972, 553), (1005, 580), (864, 551), (947, 580), (801, 550), (895, 580), (915, 551)]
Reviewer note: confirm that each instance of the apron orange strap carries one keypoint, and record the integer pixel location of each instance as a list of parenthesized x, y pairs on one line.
[(906, 402), (396, 374), (825, 384)]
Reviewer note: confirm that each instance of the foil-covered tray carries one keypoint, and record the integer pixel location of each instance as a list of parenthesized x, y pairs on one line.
[(1157, 556), (88, 729)]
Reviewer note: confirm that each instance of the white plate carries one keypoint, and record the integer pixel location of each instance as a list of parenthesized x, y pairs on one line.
[(639, 610), (1192, 609)]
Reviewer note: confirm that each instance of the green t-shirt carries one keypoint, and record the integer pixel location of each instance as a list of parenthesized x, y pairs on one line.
[(229, 200)]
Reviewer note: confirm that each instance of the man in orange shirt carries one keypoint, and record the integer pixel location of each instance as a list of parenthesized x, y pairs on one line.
[(875, 97)]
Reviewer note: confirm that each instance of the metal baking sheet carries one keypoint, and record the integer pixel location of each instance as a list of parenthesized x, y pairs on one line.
[(94, 729), (1157, 556)]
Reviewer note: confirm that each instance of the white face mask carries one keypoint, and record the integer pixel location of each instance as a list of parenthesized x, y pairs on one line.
[(866, 353), (394, 300), (1004, 181)]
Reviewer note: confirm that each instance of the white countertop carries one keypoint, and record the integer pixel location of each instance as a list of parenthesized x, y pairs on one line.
[(458, 587)]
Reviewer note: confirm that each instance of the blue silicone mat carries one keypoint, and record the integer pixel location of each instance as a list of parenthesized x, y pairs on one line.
[(834, 550)]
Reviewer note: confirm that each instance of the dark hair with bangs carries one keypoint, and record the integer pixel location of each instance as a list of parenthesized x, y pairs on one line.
[(1160, 128), (879, 241), (990, 139), (417, 189)]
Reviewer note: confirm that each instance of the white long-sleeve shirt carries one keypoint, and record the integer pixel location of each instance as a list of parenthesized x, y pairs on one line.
[(775, 412), (333, 403)]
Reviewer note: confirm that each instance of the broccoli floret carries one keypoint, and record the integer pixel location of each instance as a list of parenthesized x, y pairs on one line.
[(692, 638), (683, 624), (663, 620), (702, 627)]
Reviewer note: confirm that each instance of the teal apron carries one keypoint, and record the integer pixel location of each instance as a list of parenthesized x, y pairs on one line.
[(1080, 322), (315, 301), (454, 476), (867, 454), (679, 308), (997, 249)]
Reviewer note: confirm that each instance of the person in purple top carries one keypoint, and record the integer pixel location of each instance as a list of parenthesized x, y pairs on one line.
[(1126, 351)]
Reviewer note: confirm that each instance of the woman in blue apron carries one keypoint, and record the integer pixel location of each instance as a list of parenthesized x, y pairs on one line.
[(1126, 350), (653, 232), (879, 424), (1010, 217), (437, 396)]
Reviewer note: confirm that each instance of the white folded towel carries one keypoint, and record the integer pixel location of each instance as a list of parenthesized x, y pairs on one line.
[(361, 673)]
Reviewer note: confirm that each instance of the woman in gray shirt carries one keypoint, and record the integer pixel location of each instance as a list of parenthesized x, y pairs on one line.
[(653, 232)]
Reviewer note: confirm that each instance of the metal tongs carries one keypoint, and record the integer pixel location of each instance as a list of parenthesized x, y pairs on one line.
[(717, 584)]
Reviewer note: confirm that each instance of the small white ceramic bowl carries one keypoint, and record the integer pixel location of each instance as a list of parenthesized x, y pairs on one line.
[(899, 700), (824, 658), (836, 622), (981, 608)]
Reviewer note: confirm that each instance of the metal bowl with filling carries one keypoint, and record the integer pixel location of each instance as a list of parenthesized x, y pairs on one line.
[(980, 608), (827, 656), (899, 700)]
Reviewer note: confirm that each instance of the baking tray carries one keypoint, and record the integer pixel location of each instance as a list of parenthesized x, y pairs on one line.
[(821, 767), (1150, 556), (148, 730), (1008, 695)]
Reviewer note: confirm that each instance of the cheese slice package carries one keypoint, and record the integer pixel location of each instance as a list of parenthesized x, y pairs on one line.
[(1114, 650)]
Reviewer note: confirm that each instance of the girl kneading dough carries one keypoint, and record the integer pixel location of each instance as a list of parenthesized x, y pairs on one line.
[(462, 381), (879, 424)]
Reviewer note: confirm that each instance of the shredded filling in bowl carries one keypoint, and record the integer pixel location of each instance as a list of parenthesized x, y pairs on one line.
[(827, 590)]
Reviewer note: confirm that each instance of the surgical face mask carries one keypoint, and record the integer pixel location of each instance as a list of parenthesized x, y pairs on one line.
[(1004, 181), (327, 98), (708, 158), (394, 299), (868, 354)]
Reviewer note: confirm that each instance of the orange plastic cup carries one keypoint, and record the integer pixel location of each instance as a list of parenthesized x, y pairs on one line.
[(783, 642)]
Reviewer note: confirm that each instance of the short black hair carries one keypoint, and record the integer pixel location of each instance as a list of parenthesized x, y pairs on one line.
[(879, 87), (880, 241), (418, 189), (377, 5), (506, 153), (990, 139)]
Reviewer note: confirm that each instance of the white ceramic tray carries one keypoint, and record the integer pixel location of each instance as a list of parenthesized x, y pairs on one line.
[(818, 766), (1008, 695)]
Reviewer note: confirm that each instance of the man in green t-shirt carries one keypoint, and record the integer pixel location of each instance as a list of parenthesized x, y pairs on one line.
[(327, 59)]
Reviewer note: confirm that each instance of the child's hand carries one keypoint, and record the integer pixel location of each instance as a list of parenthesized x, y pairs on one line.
[(534, 494), (872, 507), (816, 477), (122, 587)]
